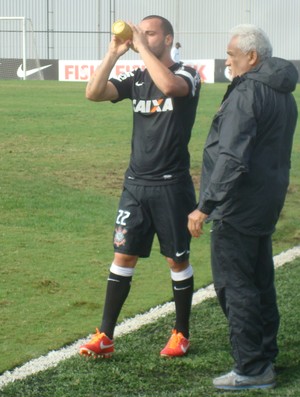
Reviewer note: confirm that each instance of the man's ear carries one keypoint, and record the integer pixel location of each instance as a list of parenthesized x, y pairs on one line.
[(253, 58), (169, 39)]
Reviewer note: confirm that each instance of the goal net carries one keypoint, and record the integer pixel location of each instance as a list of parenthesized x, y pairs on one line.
[(18, 51)]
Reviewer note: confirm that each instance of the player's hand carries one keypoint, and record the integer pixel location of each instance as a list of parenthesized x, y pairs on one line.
[(139, 38), (118, 47), (196, 220)]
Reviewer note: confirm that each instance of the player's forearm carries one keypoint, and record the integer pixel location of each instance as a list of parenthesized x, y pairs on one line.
[(97, 87), (163, 78)]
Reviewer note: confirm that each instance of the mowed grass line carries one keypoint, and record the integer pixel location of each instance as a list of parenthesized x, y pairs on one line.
[(62, 161), (137, 370)]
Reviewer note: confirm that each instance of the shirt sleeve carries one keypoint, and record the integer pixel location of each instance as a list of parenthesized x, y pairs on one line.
[(191, 76), (123, 84)]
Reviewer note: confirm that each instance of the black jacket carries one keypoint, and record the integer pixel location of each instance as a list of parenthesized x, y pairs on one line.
[(246, 159)]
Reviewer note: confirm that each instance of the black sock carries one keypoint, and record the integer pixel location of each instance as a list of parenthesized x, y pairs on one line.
[(117, 290), (183, 295)]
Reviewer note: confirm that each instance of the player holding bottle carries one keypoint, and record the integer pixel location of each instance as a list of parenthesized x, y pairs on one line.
[(158, 192)]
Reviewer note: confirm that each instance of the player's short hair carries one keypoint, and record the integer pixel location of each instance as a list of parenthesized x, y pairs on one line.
[(252, 38), (166, 25)]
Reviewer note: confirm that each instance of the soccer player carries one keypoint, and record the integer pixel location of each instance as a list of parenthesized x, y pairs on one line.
[(158, 192)]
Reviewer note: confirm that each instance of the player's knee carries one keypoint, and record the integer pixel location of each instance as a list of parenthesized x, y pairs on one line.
[(124, 260), (177, 267)]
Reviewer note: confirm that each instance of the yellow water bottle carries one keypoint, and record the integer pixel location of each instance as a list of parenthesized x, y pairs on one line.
[(122, 30)]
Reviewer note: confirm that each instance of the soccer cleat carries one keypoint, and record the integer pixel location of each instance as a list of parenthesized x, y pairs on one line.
[(234, 381), (177, 345), (99, 346)]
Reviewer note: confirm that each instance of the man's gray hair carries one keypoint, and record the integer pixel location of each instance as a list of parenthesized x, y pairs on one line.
[(252, 38)]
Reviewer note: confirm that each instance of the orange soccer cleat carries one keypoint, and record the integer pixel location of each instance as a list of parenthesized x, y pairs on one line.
[(177, 345), (99, 346)]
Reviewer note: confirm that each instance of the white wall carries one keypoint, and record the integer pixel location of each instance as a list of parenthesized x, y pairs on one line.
[(76, 29)]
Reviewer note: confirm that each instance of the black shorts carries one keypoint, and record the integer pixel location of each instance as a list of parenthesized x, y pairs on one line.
[(148, 210)]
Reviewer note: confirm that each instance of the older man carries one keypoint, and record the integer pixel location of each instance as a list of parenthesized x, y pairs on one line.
[(245, 176)]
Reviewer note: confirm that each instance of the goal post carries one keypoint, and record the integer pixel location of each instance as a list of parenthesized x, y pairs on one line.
[(18, 52)]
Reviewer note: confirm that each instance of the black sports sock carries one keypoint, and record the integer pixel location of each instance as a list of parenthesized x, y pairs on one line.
[(183, 295), (117, 290)]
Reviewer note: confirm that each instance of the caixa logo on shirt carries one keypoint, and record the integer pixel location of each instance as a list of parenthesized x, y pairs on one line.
[(152, 105)]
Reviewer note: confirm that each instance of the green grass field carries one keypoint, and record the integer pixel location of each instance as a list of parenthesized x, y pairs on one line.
[(62, 163), (137, 370)]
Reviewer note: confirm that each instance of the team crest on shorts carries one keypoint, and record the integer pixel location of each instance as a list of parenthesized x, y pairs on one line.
[(119, 238)]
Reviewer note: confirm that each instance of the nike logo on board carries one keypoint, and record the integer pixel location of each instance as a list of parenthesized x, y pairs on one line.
[(21, 73)]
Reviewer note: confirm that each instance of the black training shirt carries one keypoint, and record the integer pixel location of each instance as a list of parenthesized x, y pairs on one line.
[(161, 126)]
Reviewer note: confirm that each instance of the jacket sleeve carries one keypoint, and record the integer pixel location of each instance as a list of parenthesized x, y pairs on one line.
[(235, 128)]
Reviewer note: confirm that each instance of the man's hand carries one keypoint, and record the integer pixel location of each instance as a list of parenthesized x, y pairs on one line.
[(139, 38), (118, 47), (196, 220)]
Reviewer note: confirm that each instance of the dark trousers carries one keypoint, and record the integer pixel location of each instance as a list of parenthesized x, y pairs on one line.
[(243, 273)]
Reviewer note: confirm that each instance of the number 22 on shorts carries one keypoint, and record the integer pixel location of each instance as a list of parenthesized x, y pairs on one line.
[(121, 218)]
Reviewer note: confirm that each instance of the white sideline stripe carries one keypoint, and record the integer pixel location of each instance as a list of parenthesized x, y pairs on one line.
[(53, 358)]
